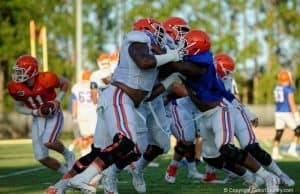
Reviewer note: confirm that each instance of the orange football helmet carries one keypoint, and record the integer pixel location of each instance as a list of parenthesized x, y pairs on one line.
[(152, 26), (103, 61), (224, 64), (86, 75), (196, 41), (176, 27), (284, 77), (25, 68)]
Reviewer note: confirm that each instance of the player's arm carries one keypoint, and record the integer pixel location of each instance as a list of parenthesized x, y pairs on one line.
[(291, 100), (63, 85), (188, 69), (165, 84), (140, 54), (94, 92), (74, 109), (22, 109)]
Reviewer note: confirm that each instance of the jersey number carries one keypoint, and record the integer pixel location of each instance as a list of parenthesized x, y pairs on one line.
[(34, 101), (85, 97), (278, 95)]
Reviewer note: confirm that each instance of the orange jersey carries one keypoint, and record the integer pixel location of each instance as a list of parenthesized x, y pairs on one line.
[(42, 91)]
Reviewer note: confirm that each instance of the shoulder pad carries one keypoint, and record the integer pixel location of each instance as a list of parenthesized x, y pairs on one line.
[(138, 36), (48, 80)]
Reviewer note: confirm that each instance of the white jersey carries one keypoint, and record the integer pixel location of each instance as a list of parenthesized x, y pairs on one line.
[(127, 72), (85, 106), (230, 85), (100, 74)]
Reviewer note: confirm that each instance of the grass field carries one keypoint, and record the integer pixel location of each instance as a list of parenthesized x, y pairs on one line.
[(21, 174)]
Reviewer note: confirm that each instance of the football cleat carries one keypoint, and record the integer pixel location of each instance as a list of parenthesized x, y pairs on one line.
[(78, 183), (195, 175), (211, 177), (170, 176), (293, 153), (272, 183), (109, 184), (276, 156), (54, 190), (59, 188), (138, 181), (286, 180)]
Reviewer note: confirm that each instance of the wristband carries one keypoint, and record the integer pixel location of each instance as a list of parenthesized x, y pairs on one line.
[(60, 96)]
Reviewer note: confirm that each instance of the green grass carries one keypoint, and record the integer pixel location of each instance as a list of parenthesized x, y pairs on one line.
[(14, 158)]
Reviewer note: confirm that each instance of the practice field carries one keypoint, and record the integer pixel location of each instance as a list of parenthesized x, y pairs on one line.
[(21, 174)]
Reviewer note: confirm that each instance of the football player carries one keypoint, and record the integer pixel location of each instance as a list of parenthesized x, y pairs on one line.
[(208, 93), (131, 84), (243, 130), (154, 139), (84, 112), (31, 90), (182, 127), (285, 113), (100, 78)]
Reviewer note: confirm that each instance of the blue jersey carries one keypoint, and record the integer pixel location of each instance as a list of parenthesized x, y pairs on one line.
[(208, 87), (281, 98)]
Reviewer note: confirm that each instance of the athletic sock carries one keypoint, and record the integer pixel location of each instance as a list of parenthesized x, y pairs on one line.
[(66, 152), (248, 177), (262, 173), (174, 162), (273, 167), (88, 174), (141, 163), (209, 169), (292, 147), (192, 166), (62, 169)]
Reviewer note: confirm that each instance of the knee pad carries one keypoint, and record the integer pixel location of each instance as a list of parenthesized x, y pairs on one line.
[(218, 162), (297, 131), (152, 152), (278, 135), (119, 149), (186, 150), (82, 163), (231, 153), (128, 159), (259, 154)]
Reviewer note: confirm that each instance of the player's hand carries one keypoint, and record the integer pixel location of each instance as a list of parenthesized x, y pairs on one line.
[(56, 105), (255, 122), (177, 54)]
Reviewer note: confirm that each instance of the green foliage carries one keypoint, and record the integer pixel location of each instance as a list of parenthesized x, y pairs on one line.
[(247, 30)]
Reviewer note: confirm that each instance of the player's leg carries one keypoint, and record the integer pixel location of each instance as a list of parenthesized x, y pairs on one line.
[(224, 134), (279, 126), (80, 165), (183, 128), (116, 116), (41, 152), (265, 159), (246, 137), (50, 137), (292, 124)]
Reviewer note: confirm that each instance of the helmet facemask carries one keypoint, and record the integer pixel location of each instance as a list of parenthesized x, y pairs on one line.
[(160, 34), (188, 48), (180, 30), (21, 74)]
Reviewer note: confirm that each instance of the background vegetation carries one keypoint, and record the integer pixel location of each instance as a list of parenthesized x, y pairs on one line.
[(262, 36)]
